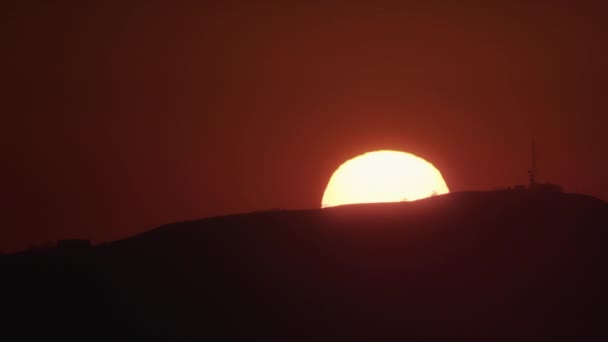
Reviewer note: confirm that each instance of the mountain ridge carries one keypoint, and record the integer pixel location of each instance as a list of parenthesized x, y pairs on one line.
[(476, 264)]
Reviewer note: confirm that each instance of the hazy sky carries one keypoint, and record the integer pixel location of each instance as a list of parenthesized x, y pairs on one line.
[(122, 116)]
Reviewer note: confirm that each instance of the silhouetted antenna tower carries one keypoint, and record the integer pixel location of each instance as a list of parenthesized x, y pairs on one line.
[(532, 171)]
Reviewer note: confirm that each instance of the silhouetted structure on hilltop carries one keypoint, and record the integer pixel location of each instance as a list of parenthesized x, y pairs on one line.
[(532, 170), (533, 174), (533, 184)]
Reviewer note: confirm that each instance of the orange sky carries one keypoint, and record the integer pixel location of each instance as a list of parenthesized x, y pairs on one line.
[(120, 116)]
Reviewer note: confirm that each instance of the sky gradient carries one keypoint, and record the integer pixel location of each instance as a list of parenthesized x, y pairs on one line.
[(120, 116)]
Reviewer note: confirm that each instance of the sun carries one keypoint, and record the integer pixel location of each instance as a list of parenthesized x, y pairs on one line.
[(383, 176)]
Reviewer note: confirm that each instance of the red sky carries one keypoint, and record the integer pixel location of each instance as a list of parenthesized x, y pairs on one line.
[(122, 116)]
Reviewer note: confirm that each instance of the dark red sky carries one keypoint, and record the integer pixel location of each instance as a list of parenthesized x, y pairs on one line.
[(120, 117)]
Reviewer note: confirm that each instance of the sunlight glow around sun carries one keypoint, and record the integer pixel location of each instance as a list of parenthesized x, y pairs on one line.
[(383, 176)]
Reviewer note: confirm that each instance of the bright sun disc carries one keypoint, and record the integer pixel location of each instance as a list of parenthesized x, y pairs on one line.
[(383, 176)]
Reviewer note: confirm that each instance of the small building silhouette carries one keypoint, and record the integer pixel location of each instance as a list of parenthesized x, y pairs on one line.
[(545, 187)]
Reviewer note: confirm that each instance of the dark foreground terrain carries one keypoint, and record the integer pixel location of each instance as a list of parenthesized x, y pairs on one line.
[(495, 265)]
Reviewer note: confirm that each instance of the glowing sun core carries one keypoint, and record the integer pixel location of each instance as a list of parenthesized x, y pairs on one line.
[(383, 176)]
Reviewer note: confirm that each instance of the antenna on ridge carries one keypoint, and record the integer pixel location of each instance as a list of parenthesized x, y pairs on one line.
[(532, 171)]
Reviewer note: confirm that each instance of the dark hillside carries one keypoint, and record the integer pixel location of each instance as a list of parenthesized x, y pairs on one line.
[(481, 264)]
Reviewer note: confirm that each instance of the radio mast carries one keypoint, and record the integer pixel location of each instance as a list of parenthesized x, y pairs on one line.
[(532, 171)]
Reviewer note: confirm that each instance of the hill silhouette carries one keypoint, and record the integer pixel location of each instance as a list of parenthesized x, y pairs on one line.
[(500, 265)]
